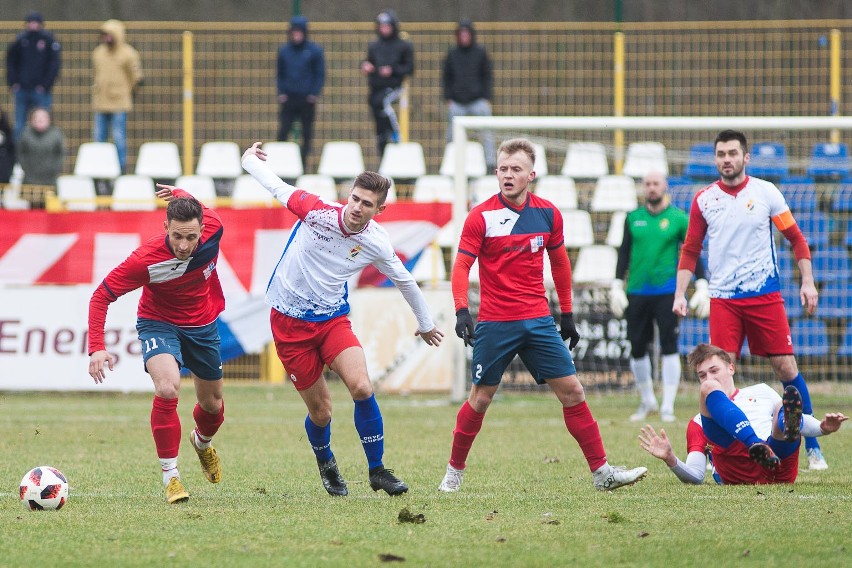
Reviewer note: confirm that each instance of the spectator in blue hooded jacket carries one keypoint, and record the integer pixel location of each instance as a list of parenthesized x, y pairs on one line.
[(301, 76)]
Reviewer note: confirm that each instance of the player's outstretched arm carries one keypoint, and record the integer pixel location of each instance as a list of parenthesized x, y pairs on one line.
[(432, 337), (657, 445), (96, 365), (165, 192), (832, 422), (255, 150)]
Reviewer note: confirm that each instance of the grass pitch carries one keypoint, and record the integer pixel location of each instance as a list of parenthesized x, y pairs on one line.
[(527, 498)]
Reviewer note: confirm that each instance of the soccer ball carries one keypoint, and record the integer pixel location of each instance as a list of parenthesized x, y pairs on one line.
[(44, 487)]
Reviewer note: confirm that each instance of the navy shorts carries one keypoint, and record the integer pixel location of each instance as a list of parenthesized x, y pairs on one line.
[(196, 348), (536, 341)]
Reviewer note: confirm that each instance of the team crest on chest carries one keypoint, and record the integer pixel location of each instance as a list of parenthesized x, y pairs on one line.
[(664, 224), (355, 251)]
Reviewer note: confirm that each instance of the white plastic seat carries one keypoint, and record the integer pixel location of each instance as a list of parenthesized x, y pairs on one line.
[(284, 159), (645, 157), (159, 160), (341, 159), (403, 161), (446, 237), (430, 266), (577, 228), (559, 190), (585, 160), (482, 188), (614, 193), (97, 160), (219, 160), (540, 165), (249, 193), (474, 160), (77, 193), (318, 184), (430, 188), (595, 264), (549, 283), (203, 188), (615, 233), (133, 193)]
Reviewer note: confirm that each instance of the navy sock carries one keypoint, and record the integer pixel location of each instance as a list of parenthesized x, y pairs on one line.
[(320, 439), (807, 407), (727, 415), (368, 422)]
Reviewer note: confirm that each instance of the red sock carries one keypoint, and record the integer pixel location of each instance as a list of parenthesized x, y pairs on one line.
[(165, 425), (582, 426), (207, 424), (468, 423)]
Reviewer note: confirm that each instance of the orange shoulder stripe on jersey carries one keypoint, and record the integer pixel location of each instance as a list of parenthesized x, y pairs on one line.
[(784, 220)]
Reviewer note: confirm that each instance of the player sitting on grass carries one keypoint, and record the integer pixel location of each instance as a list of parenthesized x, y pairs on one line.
[(753, 433)]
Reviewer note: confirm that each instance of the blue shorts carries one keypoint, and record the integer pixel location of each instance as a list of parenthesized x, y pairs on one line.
[(536, 341), (196, 348)]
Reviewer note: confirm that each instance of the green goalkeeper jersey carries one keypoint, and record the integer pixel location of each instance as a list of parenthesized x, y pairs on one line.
[(649, 251)]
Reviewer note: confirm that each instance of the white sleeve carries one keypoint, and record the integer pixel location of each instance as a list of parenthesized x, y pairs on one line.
[(811, 426), (402, 279), (693, 470), (260, 171)]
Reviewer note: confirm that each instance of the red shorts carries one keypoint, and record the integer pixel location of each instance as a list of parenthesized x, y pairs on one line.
[(304, 347), (740, 470), (762, 319)]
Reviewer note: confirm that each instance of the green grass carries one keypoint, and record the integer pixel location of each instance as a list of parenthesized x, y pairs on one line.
[(527, 499)]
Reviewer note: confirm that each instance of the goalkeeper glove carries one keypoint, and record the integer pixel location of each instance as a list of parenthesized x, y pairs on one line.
[(617, 298), (700, 301)]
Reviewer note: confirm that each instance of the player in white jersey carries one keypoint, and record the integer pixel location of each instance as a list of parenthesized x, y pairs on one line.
[(308, 293), (736, 214), (753, 433)]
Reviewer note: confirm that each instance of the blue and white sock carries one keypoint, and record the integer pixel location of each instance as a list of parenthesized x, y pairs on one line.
[(727, 415), (807, 407), (368, 422), (320, 439)]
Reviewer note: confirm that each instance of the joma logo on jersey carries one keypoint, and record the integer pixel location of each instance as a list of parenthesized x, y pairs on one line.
[(355, 252), (209, 270)]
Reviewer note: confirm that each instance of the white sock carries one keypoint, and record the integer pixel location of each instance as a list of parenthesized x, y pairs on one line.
[(671, 379), (201, 442), (642, 372), (170, 469), (604, 469)]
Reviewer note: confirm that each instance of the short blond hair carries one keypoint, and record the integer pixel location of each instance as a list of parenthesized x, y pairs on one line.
[(516, 145)]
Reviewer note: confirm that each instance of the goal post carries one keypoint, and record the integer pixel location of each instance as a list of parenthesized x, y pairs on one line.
[(576, 127)]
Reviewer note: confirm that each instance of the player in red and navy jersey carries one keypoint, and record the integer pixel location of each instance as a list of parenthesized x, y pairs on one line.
[(753, 434), (308, 293), (181, 299), (736, 215), (509, 234)]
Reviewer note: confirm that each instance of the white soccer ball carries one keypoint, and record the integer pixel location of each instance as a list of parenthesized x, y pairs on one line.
[(44, 487)]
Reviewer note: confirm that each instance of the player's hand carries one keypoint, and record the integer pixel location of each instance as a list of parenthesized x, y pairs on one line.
[(255, 150), (567, 330), (464, 326), (832, 421), (165, 192), (657, 445), (432, 337), (809, 297), (700, 301), (679, 306), (617, 298), (96, 365)]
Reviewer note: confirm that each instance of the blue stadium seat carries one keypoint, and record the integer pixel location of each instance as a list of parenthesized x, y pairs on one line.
[(768, 161), (810, 337), (681, 192), (842, 200), (831, 264), (692, 332), (845, 347), (801, 197), (701, 164), (829, 161), (847, 239), (835, 299), (790, 290), (786, 263), (815, 227)]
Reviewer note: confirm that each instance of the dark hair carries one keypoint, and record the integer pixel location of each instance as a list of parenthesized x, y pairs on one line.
[(377, 183), (705, 351), (184, 209), (515, 145), (728, 135)]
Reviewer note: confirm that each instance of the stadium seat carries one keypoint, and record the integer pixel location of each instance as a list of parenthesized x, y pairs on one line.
[(549, 283), (319, 184), (801, 197), (847, 238), (284, 158), (133, 193), (577, 228), (768, 160), (391, 197), (829, 161), (481, 188), (595, 264), (430, 266), (559, 190), (219, 160), (585, 160), (77, 193), (159, 161), (249, 193), (540, 165), (614, 193), (835, 299), (681, 192), (845, 347), (692, 332), (474, 160), (786, 263), (841, 201), (203, 188), (645, 157), (341, 159), (447, 237), (792, 301), (815, 226), (404, 161), (97, 160), (830, 264), (810, 337), (615, 233), (430, 188), (701, 164)]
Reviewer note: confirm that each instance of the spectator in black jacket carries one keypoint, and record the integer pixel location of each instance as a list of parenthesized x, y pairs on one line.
[(32, 65), (467, 79), (390, 59), (7, 148)]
